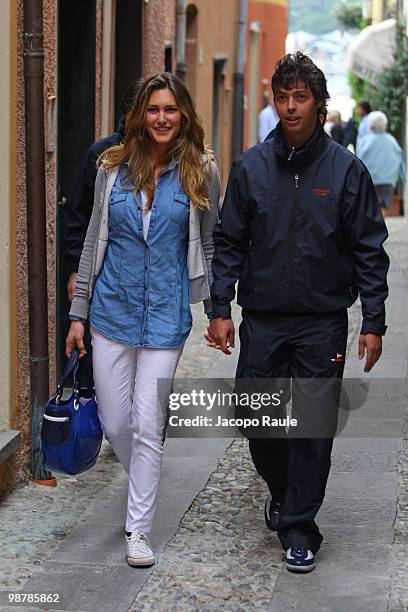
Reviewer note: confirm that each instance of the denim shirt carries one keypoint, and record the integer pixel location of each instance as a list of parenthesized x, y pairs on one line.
[(141, 296)]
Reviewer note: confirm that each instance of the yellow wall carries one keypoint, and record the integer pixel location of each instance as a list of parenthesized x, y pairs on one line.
[(377, 10)]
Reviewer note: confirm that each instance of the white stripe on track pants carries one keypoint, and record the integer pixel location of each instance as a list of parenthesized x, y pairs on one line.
[(132, 415)]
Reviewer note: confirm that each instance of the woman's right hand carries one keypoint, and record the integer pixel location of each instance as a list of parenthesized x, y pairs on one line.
[(75, 338)]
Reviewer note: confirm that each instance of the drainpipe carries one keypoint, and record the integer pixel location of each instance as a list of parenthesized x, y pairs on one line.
[(36, 225), (181, 26), (238, 108)]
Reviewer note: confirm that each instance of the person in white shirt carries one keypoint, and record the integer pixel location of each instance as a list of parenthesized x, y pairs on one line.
[(363, 109), (267, 119)]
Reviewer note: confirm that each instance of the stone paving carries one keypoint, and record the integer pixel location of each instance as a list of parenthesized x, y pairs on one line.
[(397, 248), (222, 556), (34, 518)]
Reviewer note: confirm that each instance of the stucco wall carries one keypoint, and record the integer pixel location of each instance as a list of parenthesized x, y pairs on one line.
[(169, 18), (5, 17), (217, 27), (271, 16), (158, 25), (50, 91), (17, 468), (98, 69)]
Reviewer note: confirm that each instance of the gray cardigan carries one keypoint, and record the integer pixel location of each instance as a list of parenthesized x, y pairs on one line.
[(200, 244)]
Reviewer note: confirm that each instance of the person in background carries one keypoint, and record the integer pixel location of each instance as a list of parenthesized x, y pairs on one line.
[(363, 109), (146, 256), (350, 135), (77, 211), (383, 156), (335, 126), (267, 119)]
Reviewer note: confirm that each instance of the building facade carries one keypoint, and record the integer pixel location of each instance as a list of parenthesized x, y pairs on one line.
[(93, 49), (266, 35), (211, 32)]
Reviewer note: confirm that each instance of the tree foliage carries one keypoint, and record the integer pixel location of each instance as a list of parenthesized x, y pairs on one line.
[(392, 86), (358, 87), (391, 89), (349, 16), (316, 17)]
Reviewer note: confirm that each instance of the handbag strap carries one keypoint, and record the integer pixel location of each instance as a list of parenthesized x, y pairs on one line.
[(72, 365)]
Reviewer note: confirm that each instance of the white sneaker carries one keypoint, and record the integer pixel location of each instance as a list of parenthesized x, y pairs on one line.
[(138, 550)]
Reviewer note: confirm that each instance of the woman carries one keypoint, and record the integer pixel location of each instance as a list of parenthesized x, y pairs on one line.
[(147, 254), (383, 156), (334, 126)]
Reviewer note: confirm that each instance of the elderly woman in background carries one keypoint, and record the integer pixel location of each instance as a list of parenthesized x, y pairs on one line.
[(383, 156)]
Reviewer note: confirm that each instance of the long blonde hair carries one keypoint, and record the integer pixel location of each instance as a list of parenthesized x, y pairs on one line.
[(188, 148)]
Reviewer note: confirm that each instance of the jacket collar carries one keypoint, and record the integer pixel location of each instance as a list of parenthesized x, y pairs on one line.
[(303, 155)]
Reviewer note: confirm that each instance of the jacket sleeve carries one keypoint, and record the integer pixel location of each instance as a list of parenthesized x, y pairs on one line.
[(77, 211), (208, 219), (364, 231), (231, 242), (80, 303)]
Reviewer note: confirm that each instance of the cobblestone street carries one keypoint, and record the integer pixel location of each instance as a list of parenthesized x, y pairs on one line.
[(217, 552)]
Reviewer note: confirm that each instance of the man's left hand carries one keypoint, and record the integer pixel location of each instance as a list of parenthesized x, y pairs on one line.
[(373, 345)]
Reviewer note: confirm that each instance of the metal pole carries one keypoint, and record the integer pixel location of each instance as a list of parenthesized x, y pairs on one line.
[(181, 66), (36, 223), (238, 109)]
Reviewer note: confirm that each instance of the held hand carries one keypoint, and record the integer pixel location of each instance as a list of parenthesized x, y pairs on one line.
[(75, 338), (71, 284), (210, 340), (373, 345), (221, 335)]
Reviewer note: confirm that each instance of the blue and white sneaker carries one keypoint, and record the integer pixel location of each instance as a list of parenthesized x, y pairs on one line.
[(299, 559), (272, 510)]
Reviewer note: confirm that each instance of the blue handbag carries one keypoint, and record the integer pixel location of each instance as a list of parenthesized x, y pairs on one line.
[(71, 432)]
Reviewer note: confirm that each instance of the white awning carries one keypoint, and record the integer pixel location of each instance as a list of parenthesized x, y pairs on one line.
[(372, 50)]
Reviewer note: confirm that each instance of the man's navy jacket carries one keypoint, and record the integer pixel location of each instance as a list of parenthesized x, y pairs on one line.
[(302, 231), (77, 211)]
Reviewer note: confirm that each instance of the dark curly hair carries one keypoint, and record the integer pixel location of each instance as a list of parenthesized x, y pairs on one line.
[(297, 67)]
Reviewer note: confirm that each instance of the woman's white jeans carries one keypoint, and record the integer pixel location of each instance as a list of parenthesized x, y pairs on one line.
[(132, 408)]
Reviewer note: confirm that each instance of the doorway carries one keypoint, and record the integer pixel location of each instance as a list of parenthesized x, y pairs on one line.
[(128, 47), (218, 105), (76, 123)]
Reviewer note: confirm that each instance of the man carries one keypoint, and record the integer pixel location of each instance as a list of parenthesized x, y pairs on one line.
[(363, 109), (77, 211), (267, 119), (302, 231)]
